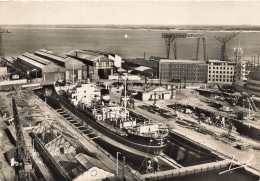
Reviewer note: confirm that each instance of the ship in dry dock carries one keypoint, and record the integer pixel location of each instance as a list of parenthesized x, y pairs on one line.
[(113, 121)]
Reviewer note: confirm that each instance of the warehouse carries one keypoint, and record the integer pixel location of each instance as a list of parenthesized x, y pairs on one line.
[(94, 65), (42, 70), (183, 70), (156, 92), (116, 58)]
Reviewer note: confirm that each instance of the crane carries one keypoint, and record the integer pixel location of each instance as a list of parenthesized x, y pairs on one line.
[(2, 52), (224, 42), (170, 41), (23, 166)]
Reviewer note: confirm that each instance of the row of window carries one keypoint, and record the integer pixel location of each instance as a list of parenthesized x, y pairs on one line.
[(231, 72), (222, 76), (230, 64), (224, 68), (221, 80)]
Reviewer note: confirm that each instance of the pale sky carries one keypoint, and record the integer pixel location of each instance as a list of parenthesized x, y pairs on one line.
[(142, 12)]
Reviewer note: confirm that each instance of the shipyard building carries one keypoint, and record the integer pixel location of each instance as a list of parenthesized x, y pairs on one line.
[(94, 65), (221, 71), (183, 70), (42, 70), (253, 83), (84, 64)]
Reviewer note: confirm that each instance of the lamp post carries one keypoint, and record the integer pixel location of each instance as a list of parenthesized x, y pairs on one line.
[(117, 153)]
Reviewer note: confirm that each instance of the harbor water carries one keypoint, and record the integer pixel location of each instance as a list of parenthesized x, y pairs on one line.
[(23, 40)]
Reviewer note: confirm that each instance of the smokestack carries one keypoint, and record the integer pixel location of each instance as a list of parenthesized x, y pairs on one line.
[(76, 54), (144, 55), (254, 62), (257, 60)]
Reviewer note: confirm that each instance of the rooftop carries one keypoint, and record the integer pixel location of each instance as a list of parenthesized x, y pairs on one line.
[(89, 56), (220, 61), (32, 62), (50, 55), (181, 61), (98, 52), (36, 58)]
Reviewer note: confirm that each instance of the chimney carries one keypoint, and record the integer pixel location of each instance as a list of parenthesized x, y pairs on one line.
[(76, 54), (144, 55)]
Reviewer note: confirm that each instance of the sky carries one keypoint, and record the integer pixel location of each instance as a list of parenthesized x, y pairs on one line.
[(135, 12)]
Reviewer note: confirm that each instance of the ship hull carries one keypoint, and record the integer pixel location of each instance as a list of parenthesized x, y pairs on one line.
[(143, 144)]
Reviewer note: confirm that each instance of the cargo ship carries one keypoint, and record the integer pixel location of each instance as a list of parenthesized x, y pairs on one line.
[(113, 120)]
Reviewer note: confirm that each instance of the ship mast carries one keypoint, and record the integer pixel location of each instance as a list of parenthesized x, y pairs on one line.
[(125, 99)]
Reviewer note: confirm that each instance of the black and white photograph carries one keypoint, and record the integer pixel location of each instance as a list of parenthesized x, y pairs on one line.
[(130, 90)]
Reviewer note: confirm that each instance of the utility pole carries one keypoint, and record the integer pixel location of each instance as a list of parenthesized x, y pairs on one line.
[(154, 103), (123, 168)]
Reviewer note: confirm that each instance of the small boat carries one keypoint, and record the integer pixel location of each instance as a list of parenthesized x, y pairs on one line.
[(126, 36)]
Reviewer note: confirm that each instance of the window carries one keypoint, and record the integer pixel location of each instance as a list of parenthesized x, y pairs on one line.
[(209, 71), (217, 72), (216, 75)]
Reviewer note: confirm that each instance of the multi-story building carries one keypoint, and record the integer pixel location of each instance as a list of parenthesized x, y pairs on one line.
[(253, 83), (221, 71), (183, 70)]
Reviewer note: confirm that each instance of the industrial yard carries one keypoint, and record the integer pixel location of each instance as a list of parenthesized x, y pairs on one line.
[(152, 102)]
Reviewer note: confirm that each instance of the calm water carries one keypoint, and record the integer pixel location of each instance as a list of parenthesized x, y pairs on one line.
[(65, 40)]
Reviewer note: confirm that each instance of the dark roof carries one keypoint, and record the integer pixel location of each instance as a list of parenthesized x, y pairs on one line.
[(90, 56), (100, 52), (50, 55)]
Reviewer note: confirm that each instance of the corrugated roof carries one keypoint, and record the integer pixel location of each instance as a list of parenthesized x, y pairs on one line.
[(151, 88), (90, 56), (50, 56), (32, 62), (180, 61), (99, 52), (36, 58)]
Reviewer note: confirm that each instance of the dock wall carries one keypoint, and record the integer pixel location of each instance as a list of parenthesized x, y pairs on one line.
[(54, 167), (187, 171)]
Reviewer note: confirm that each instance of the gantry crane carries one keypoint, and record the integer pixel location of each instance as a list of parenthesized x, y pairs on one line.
[(23, 166), (224, 41), (2, 52), (170, 41)]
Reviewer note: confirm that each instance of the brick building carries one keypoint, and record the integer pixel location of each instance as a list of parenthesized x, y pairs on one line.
[(183, 70)]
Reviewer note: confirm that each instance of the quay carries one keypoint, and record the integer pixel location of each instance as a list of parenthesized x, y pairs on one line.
[(185, 171)]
